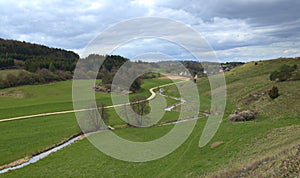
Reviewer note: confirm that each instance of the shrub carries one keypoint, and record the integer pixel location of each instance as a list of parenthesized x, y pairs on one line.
[(47, 75), (63, 75), (285, 73), (243, 116), (12, 80), (296, 76), (273, 92), (24, 78)]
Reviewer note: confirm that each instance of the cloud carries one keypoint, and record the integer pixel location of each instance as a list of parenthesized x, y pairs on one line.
[(248, 28), (260, 52)]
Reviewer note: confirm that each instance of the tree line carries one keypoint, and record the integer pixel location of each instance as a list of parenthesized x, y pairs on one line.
[(34, 57), (24, 50), (40, 77)]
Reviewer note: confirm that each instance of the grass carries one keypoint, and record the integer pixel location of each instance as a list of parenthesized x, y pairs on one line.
[(188, 160), (35, 99), (244, 144), (279, 144), (251, 79), (203, 90), (23, 138), (26, 137)]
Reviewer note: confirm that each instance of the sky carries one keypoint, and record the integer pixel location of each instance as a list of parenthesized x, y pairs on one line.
[(236, 30)]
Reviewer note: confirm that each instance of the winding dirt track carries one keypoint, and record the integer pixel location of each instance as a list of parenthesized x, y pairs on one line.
[(151, 90)]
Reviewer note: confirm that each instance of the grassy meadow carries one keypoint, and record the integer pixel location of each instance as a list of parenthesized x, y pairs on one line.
[(35, 99), (245, 144), (26, 137)]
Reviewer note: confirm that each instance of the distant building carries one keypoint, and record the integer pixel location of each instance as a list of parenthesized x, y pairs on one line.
[(183, 73)]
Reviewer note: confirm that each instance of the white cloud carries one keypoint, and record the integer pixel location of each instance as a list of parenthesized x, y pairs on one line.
[(235, 29)]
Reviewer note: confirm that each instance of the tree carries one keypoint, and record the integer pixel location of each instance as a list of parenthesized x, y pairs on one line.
[(273, 92), (6, 63), (140, 106), (103, 112), (136, 85), (125, 115), (97, 117), (94, 120), (107, 77), (52, 67)]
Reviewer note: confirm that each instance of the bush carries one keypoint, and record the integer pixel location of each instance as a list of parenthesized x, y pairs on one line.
[(273, 92), (285, 73), (40, 77), (243, 116), (47, 75), (63, 75), (12, 80), (296, 76)]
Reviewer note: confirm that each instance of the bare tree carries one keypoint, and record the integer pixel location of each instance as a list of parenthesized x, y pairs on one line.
[(125, 114), (97, 117), (140, 106), (103, 112)]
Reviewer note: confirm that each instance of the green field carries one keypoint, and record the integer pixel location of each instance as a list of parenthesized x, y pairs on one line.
[(26, 137), (244, 144), (35, 99), (83, 160), (29, 136)]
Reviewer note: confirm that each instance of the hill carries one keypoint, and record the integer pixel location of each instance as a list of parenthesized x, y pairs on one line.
[(23, 63), (248, 149), (248, 87), (13, 53), (274, 147)]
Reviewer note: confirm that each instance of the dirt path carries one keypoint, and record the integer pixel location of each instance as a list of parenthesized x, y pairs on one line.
[(151, 90)]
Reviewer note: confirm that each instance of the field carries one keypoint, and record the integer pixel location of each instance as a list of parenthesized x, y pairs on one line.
[(29, 136), (245, 145), (83, 160), (35, 99)]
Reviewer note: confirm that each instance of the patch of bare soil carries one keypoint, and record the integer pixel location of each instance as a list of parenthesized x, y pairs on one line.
[(174, 77), (216, 144), (12, 93)]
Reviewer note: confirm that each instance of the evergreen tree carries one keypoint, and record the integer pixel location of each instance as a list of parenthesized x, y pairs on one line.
[(52, 67)]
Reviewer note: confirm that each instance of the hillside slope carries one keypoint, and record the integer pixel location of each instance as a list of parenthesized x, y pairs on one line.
[(245, 145), (248, 86), (275, 153)]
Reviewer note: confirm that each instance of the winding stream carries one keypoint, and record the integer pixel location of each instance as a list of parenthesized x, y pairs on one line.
[(40, 156), (182, 101), (69, 142)]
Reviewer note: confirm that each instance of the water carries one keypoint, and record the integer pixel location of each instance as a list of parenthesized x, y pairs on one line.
[(182, 101), (40, 156), (45, 154)]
